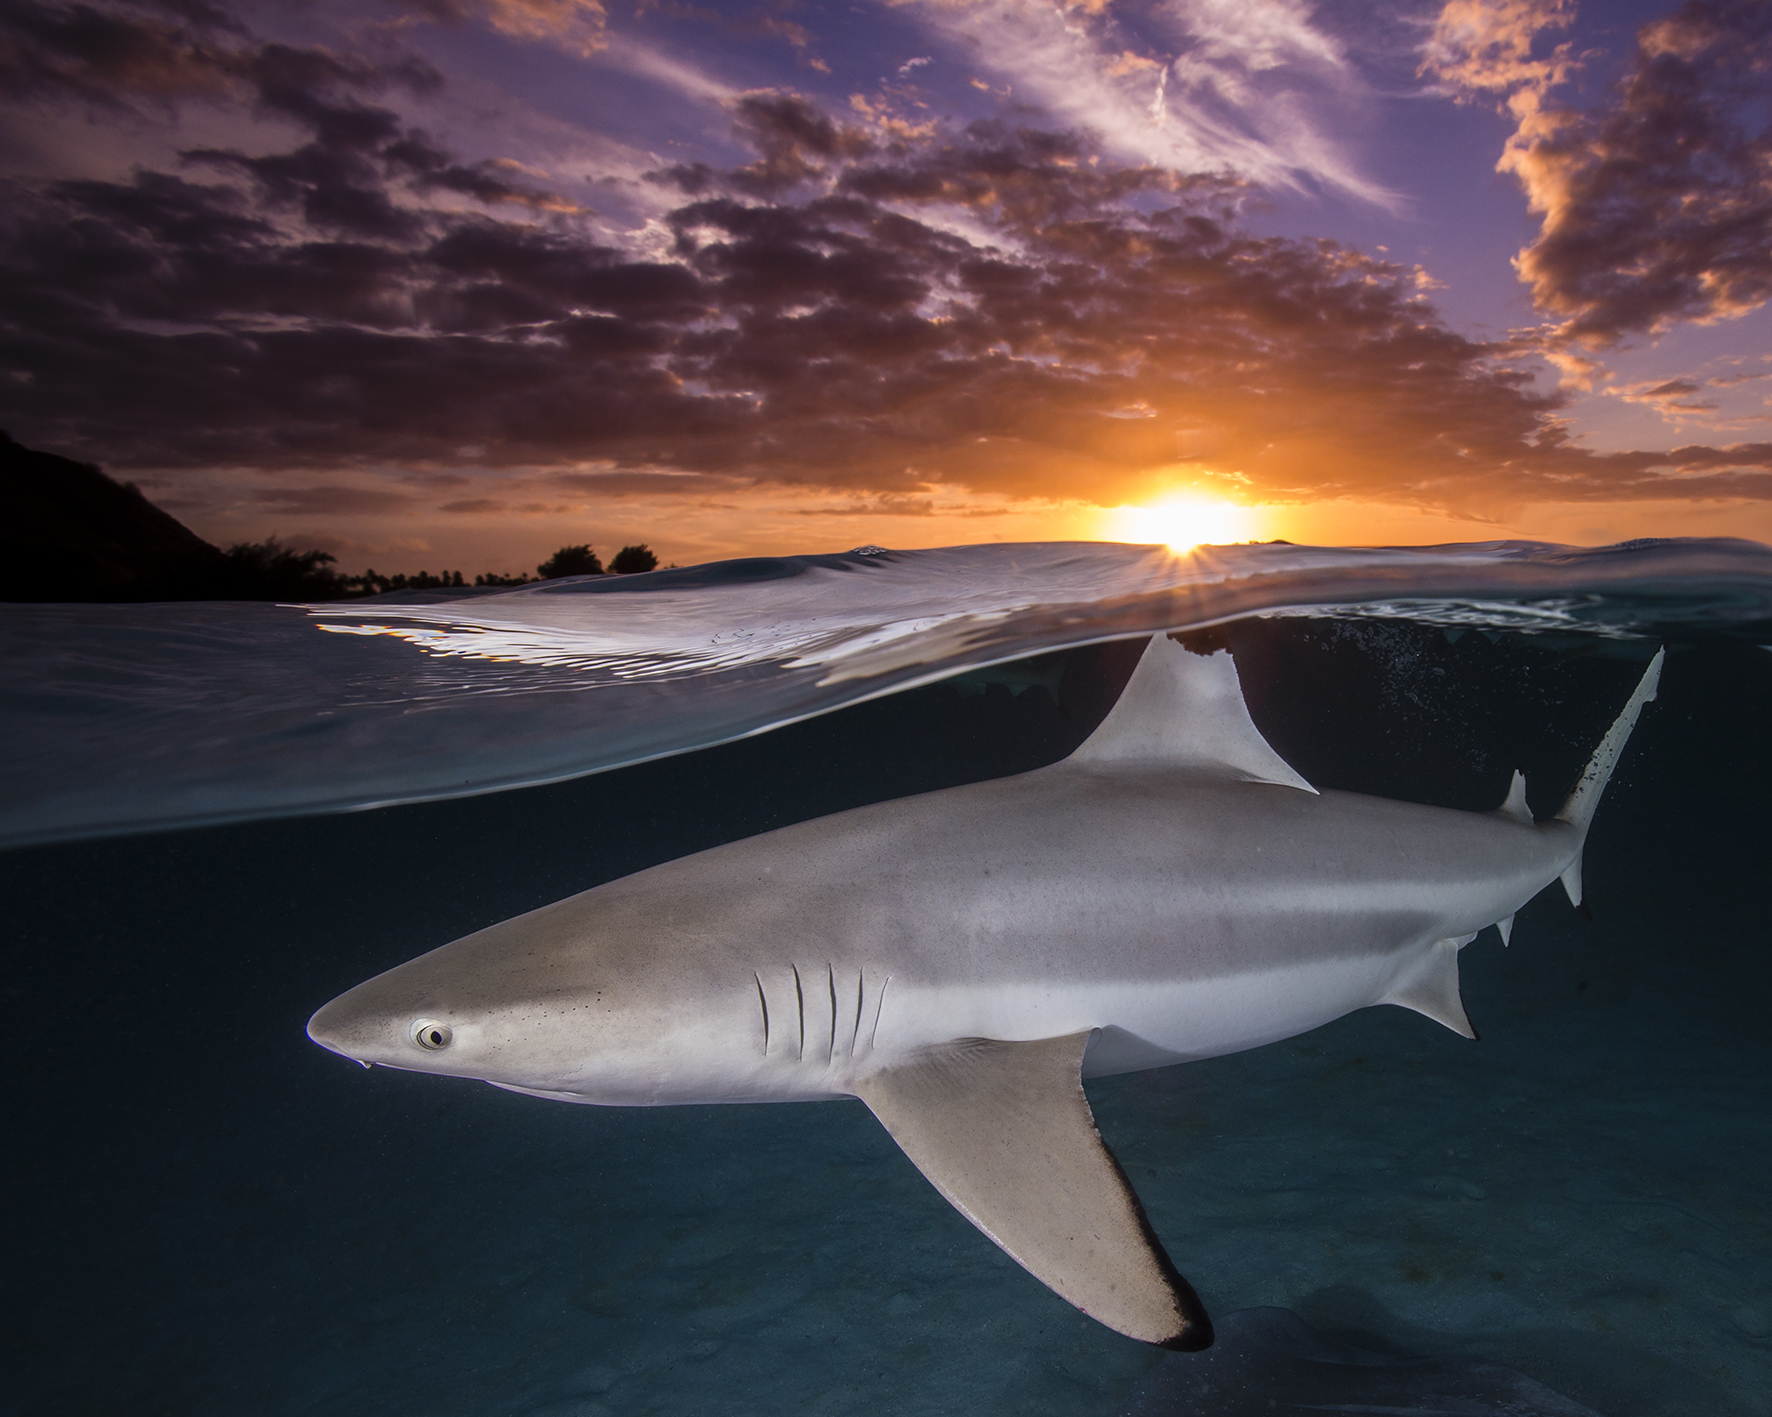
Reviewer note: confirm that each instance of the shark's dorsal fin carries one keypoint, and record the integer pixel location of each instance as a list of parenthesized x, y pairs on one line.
[(1004, 1131), (1431, 987), (1185, 710)]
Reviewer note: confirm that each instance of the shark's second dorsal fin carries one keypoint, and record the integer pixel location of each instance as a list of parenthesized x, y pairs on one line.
[(1005, 1133), (1515, 806), (1181, 709)]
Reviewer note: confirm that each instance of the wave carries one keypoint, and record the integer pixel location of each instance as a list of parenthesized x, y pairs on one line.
[(135, 718)]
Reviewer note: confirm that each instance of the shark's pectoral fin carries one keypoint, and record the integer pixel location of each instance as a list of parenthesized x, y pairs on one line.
[(1004, 1131), (1430, 987)]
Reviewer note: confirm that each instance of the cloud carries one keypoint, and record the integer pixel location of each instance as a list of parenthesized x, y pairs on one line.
[(332, 499), (1669, 397), (626, 53), (109, 56), (492, 181), (1657, 206), (876, 314), (889, 505), (644, 483), (1252, 90), (577, 26), (1486, 46), (474, 506), (794, 141), (121, 55)]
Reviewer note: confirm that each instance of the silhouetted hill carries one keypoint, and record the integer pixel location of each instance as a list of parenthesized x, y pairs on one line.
[(68, 532)]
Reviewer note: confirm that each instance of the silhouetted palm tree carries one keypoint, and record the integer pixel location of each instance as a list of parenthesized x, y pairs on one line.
[(571, 561), (631, 559)]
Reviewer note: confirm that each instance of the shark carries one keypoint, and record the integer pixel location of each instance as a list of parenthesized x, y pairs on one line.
[(963, 960)]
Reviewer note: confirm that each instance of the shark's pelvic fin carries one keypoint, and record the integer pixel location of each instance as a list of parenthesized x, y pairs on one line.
[(1004, 1131), (1515, 806), (1186, 710), (1505, 926), (1431, 987)]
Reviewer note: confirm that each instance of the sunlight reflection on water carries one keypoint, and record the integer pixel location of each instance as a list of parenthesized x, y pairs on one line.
[(125, 718)]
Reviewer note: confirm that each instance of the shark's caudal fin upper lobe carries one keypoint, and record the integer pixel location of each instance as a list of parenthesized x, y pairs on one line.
[(1578, 811)]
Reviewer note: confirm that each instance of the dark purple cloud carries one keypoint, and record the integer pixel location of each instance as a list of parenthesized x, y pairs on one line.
[(474, 506), (574, 25), (1671, 396), (1658, 206), (998, 307), (331, 499), (118, 54)]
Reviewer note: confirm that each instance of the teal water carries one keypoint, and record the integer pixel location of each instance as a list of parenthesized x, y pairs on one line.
[(206, 1214)]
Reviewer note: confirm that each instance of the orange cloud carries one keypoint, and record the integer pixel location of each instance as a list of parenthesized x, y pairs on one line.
[(577, 26), (1486, 46), (1656, 207)]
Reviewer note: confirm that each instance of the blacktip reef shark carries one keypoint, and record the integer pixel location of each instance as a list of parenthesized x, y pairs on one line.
[(962, 960)]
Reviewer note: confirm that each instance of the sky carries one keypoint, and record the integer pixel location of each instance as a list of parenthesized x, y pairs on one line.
[(452, 283)]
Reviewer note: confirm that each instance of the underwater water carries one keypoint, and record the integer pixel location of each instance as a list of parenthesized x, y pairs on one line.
[(207, 1214)]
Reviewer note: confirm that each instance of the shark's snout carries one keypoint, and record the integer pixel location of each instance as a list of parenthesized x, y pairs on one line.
[(368, 1030), (329, 1027), (394, 1022)]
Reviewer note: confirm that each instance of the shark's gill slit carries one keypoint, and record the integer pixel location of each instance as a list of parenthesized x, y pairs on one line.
[(879, 1003), (831, 971), (763, 1003), (800, 999), (860, 981)]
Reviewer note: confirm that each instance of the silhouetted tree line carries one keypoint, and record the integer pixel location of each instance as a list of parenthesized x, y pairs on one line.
[(567, 561), (70, 533), (582, 561), (270, 570)]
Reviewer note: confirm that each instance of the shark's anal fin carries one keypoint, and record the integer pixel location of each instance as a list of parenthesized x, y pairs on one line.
[(1185, 710), (1430, 986), (1004, 1131)]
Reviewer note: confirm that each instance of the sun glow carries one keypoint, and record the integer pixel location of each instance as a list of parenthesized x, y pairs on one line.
[(1182, 523)]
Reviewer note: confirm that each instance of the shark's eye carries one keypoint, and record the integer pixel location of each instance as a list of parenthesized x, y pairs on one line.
[(431, 1035)]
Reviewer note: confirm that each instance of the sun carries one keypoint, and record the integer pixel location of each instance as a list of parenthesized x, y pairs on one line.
[(1182, 523)]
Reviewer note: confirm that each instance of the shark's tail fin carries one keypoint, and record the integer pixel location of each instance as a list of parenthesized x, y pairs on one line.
[(1579, 809)]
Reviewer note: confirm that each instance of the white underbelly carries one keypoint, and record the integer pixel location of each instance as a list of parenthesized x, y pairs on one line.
[(1146, 1023), (880, 1019)]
